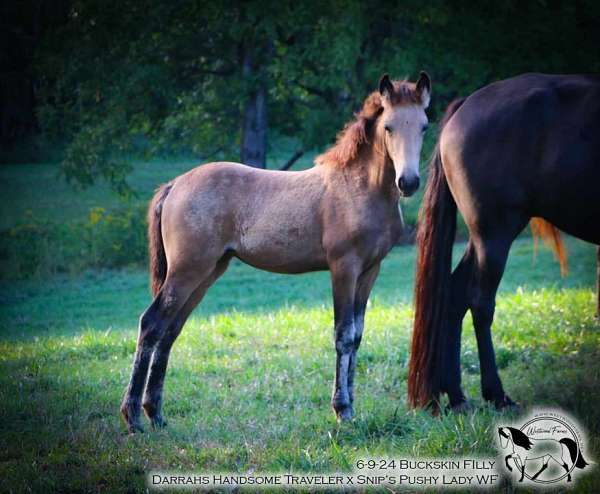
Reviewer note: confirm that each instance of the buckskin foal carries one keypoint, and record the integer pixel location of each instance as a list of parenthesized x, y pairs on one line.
[(341, 215)]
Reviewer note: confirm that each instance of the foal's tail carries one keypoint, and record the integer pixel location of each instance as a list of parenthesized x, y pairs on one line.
[(435, 236), (156, 249)]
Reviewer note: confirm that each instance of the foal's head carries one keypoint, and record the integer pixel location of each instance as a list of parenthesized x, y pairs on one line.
[(401, 127)]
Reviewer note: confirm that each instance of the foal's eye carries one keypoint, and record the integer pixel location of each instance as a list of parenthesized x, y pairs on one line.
[(424, 128), (388, 129)]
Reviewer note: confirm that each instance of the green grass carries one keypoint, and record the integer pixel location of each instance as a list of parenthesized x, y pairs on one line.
[(249, 381)]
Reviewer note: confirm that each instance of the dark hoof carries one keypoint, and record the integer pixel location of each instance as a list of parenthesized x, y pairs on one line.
[(131, 420), (507, 405), (158, 422), (460, 407), (154, 416), (343, 413), (132, 428)]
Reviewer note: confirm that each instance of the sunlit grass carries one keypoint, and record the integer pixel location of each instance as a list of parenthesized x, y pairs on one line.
[(249, 381)]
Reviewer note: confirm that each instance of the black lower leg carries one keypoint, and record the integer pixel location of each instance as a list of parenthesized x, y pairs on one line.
[(152, 402), (152, 326), (344, 345), (491, 386), (491, 256), (364, 285), (451, 383), (544, 466), (358, 325)]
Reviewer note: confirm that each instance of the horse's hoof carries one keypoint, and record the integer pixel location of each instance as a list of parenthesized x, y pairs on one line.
[(134, 428), (507, 405), (461, 407), (344, 414), (157, 422), (131, 421)]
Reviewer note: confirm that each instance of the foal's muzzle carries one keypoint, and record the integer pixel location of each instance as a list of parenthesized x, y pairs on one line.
[(408, 186)]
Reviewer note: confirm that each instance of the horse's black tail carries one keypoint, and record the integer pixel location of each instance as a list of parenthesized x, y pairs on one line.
[(156, 249), (435, 236), (575, 452)]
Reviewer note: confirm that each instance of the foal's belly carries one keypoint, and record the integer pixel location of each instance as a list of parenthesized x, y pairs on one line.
[(283, 242), (284, 266)]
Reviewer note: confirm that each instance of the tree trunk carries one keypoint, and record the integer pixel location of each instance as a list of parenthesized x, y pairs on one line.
[(253, 150)]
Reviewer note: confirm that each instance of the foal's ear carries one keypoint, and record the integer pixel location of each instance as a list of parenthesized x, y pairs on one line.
[(385, 86), (424, 88)]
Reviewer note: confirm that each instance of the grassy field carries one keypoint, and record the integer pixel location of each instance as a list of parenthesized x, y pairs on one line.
[(249, 382)]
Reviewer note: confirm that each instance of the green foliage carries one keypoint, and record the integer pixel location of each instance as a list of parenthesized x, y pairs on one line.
[(105, 239), (123, 77)]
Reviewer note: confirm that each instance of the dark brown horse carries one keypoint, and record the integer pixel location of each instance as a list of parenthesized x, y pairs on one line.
[(517, 149), (341, 215)]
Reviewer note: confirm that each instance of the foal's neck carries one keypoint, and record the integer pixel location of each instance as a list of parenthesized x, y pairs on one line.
[(376, 170)]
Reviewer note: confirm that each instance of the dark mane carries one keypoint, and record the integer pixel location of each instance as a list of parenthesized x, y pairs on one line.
[(520, 438), (359, 131)]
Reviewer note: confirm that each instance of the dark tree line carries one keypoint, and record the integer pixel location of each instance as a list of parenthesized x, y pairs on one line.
[(109, 79), (22, 27)]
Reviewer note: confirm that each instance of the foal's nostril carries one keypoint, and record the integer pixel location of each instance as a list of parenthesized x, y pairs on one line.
[(408, 186)]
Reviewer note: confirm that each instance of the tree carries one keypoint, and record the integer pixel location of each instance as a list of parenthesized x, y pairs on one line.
[(144, 78)]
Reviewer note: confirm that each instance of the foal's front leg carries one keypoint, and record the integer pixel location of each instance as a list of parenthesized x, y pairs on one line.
[(364, 285), (343, 277)]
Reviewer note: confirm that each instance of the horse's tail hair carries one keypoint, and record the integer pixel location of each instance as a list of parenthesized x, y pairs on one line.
[(156, 248), (435, 236), (575, 452), (540, 228)]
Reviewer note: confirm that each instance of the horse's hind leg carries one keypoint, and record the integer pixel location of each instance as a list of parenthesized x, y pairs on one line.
[(459, 293), (545, 461), (365, 284), (153, 324), (344, 274), (152, 402), (491, 260)]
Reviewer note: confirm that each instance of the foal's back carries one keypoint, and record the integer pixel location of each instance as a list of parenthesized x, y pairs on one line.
[(267, 218)]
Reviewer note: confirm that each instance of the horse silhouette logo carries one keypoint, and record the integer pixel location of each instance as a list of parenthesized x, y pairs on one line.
[(545, 450)]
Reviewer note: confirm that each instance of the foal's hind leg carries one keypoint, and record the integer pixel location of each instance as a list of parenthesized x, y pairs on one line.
[(153, 324), (363, 290), (344, 274), (152, 402)]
